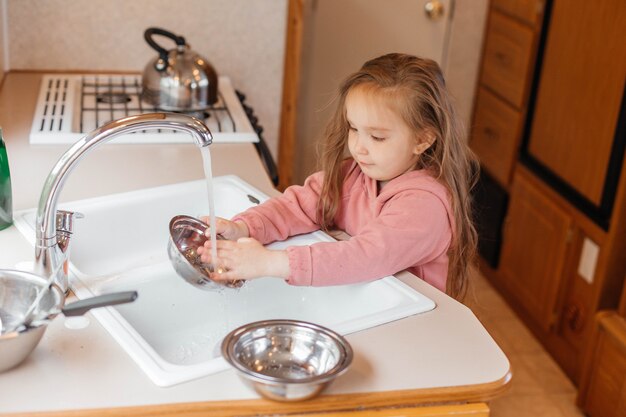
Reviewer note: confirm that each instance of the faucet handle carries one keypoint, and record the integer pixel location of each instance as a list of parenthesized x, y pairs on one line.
[(65, 220)]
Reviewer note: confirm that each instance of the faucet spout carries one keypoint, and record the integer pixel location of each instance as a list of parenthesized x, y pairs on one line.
[(48, 254)]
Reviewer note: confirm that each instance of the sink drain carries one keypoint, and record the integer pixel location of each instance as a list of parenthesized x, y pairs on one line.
[(76, 323)]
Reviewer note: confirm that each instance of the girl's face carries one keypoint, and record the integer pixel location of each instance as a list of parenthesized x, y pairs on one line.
[(379, 140)]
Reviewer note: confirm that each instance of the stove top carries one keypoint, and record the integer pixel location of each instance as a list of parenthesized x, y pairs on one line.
[(72, 105)]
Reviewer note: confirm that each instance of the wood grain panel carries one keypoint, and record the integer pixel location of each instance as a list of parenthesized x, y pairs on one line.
[(533, 251), (603, 392), (496, 135), (507, 58), (622, 304), (287, 139), (580, 92), (435, 397), (458, 410), (527, 10)]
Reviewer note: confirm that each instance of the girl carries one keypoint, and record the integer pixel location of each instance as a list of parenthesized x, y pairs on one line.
[(402, 194)]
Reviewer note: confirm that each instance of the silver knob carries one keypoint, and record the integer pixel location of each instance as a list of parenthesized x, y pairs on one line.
[(434, 10)]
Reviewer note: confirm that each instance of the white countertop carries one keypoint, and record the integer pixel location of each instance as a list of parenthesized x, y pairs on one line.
[(74, 369)]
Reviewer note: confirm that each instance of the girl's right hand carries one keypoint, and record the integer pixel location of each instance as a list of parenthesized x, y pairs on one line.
[(228, 229)]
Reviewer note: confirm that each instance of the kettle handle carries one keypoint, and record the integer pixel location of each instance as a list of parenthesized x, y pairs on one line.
[(161, 64)]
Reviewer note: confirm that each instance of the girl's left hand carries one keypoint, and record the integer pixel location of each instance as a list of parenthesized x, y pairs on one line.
[(245, 258)]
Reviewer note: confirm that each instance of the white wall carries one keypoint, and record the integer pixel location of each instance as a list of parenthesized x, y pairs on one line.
[(243, 39), (3, 40)]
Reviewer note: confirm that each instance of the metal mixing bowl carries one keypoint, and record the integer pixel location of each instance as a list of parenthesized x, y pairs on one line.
[(287, 360), (18, 290), (187, 234)]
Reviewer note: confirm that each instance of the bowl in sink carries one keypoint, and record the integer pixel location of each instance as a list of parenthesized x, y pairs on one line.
[(187, 234)]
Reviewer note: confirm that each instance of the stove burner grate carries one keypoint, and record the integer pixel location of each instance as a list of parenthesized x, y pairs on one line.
[(113, 97), (108, 98)]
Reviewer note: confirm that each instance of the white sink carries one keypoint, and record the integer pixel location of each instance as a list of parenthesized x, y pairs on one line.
[(174, 330)]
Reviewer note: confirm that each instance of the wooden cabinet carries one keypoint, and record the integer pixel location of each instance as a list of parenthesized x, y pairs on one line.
[(548, 273), (507, 70), (537, 234), (575, 149), (556, 143), (603, 389), (579, 97)]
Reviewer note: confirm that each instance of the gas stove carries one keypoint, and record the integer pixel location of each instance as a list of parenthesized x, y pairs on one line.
[(72, 105)]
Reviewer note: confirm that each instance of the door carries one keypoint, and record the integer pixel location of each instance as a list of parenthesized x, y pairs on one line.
[(339, 36)]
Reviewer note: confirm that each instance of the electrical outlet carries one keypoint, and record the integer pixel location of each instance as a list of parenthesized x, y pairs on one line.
[(588, 260)]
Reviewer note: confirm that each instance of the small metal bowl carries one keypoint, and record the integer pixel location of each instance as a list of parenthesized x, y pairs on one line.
[(187, 234), (18, 290), (287, 360)]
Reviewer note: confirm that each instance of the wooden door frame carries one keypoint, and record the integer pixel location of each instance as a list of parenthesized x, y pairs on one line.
[(291, 79)]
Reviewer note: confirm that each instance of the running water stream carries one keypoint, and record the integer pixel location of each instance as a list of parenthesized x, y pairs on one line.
[(208, 173)]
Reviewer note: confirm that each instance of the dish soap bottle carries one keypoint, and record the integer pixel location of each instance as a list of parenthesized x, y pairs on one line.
[(6, 204)]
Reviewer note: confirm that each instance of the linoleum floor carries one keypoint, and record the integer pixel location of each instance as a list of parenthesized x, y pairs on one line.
[(539, 387)]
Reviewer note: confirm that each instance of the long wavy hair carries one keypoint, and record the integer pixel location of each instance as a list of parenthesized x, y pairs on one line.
[(423, 101)]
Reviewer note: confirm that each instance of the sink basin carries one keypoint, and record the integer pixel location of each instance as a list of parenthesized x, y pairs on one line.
[(174, 330)]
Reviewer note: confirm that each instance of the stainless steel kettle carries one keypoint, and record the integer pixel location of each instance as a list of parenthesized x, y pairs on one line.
[(178, 79)]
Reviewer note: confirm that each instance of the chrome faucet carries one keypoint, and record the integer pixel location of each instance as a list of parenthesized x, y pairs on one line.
[(54, 229)]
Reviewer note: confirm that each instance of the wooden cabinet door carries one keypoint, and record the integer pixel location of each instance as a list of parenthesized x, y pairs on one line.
[(603, 389), (534, 249), (580, 93)]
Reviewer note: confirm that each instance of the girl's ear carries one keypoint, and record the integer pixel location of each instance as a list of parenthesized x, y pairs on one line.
[(425, 140)]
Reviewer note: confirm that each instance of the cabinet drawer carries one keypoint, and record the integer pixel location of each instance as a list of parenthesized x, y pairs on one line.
[(495, 135), (529, 11), (507, 58)]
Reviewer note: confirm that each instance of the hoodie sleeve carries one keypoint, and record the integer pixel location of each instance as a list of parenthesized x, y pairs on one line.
[(413, 228), (292, 213)]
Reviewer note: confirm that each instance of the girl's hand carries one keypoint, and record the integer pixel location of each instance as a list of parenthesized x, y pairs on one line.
[(227, 229), (245, 258)]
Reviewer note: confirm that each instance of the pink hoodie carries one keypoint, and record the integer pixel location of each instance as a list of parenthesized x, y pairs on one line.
[(407, 226)]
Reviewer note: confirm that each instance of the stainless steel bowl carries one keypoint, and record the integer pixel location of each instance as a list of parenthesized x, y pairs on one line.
[(287, 360), (187, 234), (18, 290)]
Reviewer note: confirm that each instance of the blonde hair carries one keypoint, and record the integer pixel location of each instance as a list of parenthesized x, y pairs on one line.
[(425, 105)]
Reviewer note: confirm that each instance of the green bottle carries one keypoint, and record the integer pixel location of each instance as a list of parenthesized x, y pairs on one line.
[(6, 204)]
